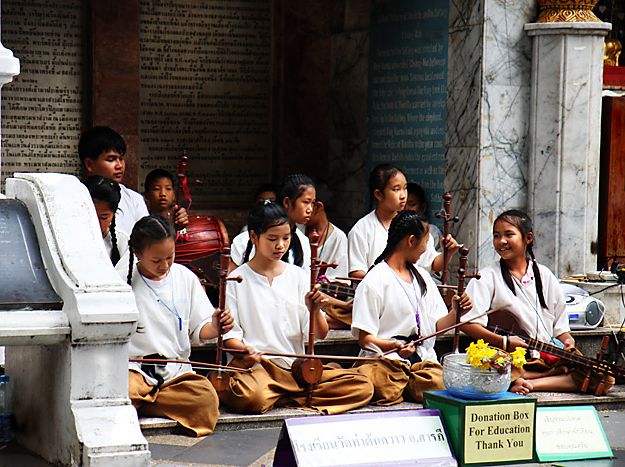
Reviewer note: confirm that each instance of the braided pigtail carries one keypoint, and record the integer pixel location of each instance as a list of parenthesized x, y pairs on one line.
[(131, 260), (114, 250), (537, 278)]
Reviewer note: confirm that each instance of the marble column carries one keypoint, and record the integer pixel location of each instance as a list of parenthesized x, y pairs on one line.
[(487, 115), (565, 126)]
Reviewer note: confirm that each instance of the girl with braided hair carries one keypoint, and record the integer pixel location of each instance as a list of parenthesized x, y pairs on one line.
[(296, 194), (396, 303), (174, 312), (388, 188), (106, 194), (533, 300)]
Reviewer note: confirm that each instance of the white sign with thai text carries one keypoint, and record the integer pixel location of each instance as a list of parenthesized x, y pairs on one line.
[(382, 438), (567, 433)]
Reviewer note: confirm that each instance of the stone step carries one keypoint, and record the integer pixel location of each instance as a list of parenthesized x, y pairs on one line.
[(615, 400)]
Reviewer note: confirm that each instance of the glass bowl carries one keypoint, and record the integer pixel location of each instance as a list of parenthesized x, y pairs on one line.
[(466, 382)]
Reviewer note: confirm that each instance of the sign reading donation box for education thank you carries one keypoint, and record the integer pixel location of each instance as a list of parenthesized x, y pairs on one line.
[(408, 89), (406, 437), (487, 431)]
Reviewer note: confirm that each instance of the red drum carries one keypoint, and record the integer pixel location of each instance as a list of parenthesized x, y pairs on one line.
[(199, 248)]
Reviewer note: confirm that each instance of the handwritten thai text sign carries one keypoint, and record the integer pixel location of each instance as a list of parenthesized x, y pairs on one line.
[(381, 438), (567, 433)]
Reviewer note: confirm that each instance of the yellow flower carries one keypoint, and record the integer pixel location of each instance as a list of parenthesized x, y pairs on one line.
[(518, 357), (481, 355)]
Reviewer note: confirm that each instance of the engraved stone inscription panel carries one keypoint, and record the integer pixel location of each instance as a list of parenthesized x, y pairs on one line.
[(41, 109), (205, 88)]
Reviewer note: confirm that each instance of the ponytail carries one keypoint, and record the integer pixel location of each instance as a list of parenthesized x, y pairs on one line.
[(405, 223), (296, 248), (248, 250)]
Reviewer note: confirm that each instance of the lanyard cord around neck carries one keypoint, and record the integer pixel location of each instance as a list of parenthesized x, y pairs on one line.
[(172, 309), (416, 303), (535, 306)]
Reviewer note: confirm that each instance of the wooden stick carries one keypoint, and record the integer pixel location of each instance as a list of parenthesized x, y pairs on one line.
[(210, 366), (308, 356), (442, 331)]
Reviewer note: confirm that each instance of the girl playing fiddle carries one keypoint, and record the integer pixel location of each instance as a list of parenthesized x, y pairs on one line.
[(296, 195), (173, 312), (270, 308), (396, 303), (532, 296), (366, 240), (106, 194)]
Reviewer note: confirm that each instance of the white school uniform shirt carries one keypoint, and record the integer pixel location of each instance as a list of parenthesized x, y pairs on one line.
[(239, 244), (367, 240), (158, 328), (491, 292), (122, 242), (131, 208), (334, 250), (270, 318), (386, 306)]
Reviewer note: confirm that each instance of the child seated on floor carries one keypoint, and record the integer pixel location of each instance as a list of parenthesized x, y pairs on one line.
[(396, 303), (534, 304), (173, 312), (271, 308), (367, 238)]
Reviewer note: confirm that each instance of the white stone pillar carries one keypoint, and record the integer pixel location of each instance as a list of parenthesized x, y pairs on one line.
[(9, 68), (565, 126)]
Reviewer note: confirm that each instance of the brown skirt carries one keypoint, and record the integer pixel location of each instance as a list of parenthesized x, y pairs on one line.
[(190, 399)]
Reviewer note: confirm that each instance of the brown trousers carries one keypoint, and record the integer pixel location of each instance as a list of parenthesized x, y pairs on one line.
[(394, 380), (189, 399), (269, 385)]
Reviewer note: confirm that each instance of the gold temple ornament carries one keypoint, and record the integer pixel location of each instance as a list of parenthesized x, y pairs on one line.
[(567, 11)]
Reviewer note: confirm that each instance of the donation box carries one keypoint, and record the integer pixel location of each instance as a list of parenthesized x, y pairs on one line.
[(494, 431)]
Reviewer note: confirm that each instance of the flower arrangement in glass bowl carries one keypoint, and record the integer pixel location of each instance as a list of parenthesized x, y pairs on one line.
[(481, 373)]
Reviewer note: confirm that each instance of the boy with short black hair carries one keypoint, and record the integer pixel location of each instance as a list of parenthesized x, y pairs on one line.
[(160, 193), (102, 150)]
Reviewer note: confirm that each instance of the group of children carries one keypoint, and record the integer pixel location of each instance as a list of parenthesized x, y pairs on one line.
[(267, 317)]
